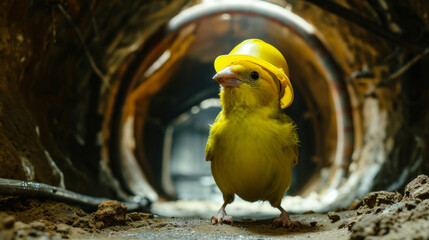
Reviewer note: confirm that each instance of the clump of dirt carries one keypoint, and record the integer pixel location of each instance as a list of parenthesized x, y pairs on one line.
[(375, 202), (113, 215), (22, 218), (379, 198), (109, 213), (333, 216), (29, 210), (385, 215), (418, 188), (403, 220)]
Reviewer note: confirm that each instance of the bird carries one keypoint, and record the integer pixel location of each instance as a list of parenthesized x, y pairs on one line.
[(253, 144)]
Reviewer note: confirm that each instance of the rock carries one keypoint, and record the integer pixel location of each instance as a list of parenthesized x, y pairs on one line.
[(333, 216), (109, 213), (417, 188), (375, 199), (398, 221), (375, 203)]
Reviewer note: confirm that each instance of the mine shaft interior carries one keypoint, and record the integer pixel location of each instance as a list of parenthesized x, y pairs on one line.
[(106, 108)]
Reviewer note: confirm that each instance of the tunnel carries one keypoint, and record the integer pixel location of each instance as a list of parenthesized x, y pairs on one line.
[(115, 100), (182, 92)]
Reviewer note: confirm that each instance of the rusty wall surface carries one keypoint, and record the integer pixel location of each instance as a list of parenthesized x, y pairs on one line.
[(22, 154), (391, 116), (51, 101), (41, 112)]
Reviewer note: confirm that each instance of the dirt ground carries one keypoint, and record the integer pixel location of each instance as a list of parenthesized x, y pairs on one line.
[(380, 215)]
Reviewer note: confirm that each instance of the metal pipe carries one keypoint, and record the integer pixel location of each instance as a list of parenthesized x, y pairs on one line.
[(12, 187)]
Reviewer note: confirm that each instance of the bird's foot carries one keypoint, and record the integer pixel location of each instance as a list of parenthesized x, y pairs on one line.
[(221, 216), (222, 219), (284, 221)]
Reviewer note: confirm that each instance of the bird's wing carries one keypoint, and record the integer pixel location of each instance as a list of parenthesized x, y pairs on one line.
[(209, 146), (293, 145)]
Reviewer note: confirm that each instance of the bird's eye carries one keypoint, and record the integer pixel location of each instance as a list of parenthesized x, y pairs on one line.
[(254, 75)]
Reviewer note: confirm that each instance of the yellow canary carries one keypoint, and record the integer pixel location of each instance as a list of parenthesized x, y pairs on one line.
[(253, 144)]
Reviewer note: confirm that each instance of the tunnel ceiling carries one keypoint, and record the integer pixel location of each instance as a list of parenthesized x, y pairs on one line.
[(64, 64)]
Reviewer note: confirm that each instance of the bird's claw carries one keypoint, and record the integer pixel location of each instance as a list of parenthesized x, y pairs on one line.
[(287, 223), (222, 220)]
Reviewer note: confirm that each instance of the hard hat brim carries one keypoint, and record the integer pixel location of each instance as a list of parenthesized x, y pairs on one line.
[(226, 60)]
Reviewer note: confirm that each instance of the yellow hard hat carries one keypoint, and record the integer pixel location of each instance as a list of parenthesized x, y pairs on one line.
[(264, 54)]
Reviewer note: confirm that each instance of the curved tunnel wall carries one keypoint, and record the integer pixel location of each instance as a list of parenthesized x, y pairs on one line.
[(194, 38), (56, 113)]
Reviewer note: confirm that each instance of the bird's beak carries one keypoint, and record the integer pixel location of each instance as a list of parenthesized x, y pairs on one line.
[(227, 78)]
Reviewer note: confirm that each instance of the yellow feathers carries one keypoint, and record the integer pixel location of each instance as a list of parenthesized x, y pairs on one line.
[(253, 144)]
